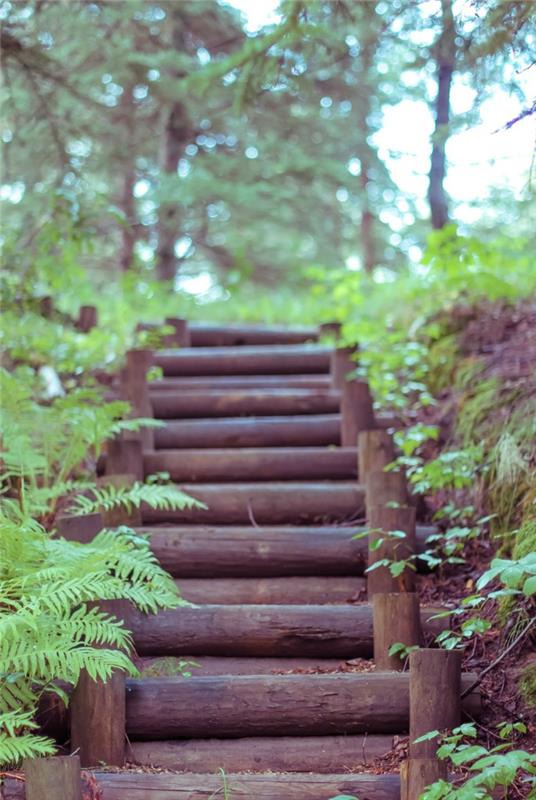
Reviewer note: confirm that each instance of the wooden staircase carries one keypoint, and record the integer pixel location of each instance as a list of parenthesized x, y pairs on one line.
[(284, 703)]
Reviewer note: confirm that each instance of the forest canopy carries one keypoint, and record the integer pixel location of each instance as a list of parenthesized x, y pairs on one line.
[(181, 145)]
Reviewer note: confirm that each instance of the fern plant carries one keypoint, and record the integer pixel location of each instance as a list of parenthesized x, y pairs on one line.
[(105, 498), (51, 449), (48, 630)]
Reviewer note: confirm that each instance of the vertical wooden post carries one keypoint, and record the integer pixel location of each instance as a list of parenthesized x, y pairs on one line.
[(136, 391), (396, 618), (46, 306), (385, 487), (356, 411), (381, 520), (79, 529), (181, 337), (98, 710), (125, 456), (434, 696), (87, 318), (375, 451), (342, 364), (434, 704), (418, 773), (58, 777), (330, 329)]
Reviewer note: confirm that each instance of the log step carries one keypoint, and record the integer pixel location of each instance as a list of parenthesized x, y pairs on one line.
[(233, 383), (207, 335), (272, 705), (234, 551), (169, 666), (272, 591), (232, 403), (267, 503), (136, 785), (312, 631), (254, 464), (268, 360), (322, 754), (279, 431)]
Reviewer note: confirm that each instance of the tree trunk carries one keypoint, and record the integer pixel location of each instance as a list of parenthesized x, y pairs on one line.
[(127, 119), (445, 59), (177, 134)]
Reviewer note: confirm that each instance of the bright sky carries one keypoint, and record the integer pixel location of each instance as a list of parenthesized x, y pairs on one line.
[(480, 159)]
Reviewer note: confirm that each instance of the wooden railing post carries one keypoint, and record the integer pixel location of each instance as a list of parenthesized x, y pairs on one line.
[(125, 456), (181, 336), (395, 618), (330, 329), (357, 413), (382, 520), (87, 318), (98, 710), (375, 451), (136, 390), (382, 488), (435, 704), (342, 365), (58, 777)]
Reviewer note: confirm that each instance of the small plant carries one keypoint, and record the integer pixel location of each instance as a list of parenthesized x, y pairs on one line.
[(501, 767)]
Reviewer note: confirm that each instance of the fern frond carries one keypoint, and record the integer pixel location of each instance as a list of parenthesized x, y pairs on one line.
[(162, 497)]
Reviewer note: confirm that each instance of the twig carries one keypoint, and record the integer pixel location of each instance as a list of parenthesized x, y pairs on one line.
[(493, 664)]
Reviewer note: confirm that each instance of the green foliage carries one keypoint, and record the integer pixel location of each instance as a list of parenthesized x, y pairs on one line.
[(45, 446), (106, 498), (501, 767), (49, 632), (517, 575)]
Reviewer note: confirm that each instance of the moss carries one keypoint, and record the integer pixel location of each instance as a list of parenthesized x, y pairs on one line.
[(527, 685), (525, 541)]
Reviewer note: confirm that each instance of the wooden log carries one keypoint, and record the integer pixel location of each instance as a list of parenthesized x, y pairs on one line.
[(396, 618), (418, 773), (325, 631), (136, 390), (254, 464), (385, 487), (124, 456), (321, 754), (233, 552), (307, 431), (375, 451), (181, 334), (239, 382), (199, 786), (167, 666), (79, 528), (214, 335), (236, 403), (270, 705), (98, 710), (268, 360), (87, 318), (294, 590), (57, 777), (266, 503), (435, 692), (383, 520), (331, 330), (343, 365), (356, 411)]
